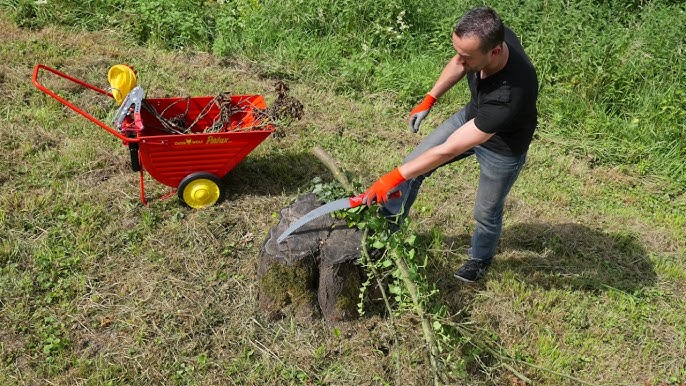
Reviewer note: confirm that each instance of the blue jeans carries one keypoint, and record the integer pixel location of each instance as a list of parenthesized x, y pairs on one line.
[(497, 174)]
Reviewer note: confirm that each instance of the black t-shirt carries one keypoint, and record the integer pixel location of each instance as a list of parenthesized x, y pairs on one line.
[(505, 102)]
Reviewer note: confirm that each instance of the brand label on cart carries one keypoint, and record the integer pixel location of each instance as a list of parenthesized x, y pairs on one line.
[(207, 141), (216, 140), (188, 141)]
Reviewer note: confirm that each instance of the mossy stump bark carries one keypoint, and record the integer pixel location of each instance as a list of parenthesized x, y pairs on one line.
[(312, 272)]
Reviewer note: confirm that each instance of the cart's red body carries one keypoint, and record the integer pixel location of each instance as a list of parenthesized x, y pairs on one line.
[(192, 162), (169, 158)]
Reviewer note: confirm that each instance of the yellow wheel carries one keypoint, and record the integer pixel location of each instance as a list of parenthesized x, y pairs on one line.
[(200, 190)]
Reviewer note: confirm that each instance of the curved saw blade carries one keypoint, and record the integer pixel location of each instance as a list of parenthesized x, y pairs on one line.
[(343, 203)]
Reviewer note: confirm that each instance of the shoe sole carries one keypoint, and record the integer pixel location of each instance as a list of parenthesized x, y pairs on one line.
[(464, 280)]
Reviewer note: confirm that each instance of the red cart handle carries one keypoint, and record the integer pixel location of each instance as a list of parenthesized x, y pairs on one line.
[(91, 118)]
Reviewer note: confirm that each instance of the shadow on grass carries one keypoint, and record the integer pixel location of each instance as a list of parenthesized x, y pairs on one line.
[(550, 256), (566, 256), (276, 174), (574, 256)]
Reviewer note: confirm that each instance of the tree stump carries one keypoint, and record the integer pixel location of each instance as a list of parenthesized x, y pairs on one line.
[(313, 271)]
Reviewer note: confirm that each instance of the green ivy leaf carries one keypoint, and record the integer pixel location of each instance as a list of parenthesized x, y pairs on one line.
[(378, 244)]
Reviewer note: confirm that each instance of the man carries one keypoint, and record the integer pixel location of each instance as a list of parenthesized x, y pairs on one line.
[(497, 126)]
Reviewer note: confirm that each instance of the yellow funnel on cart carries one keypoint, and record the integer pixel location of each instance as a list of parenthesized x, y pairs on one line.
[(122, 80)]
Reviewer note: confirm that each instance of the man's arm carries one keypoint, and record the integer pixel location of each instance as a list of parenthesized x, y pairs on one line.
[(463, 139), (451, 74)]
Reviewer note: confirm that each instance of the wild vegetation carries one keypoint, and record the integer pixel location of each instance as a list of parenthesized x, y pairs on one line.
[(612, 71), (588, 286)]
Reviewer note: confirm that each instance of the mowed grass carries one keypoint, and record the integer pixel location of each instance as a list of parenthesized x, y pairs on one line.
[(97, 289)]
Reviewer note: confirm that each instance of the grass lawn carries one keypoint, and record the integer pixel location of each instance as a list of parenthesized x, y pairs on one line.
[(589, 284)]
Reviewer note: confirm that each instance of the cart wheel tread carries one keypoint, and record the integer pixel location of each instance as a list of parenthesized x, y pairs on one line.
[(200, 190)]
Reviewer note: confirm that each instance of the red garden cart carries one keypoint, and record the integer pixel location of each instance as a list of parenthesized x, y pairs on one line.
[(185, 143)]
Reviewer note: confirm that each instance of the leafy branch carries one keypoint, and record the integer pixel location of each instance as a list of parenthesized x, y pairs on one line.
[(390, 259)]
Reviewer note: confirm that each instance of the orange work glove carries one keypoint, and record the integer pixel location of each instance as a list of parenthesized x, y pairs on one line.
[(420, 112), (383, 187)]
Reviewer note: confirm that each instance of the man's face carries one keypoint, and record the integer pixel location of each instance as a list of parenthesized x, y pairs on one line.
[(470, 55)]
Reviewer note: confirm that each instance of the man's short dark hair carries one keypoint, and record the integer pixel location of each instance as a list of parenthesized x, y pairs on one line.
[(485, 24)]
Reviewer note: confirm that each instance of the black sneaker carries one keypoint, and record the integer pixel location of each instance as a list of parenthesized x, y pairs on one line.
[(472, 270)]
